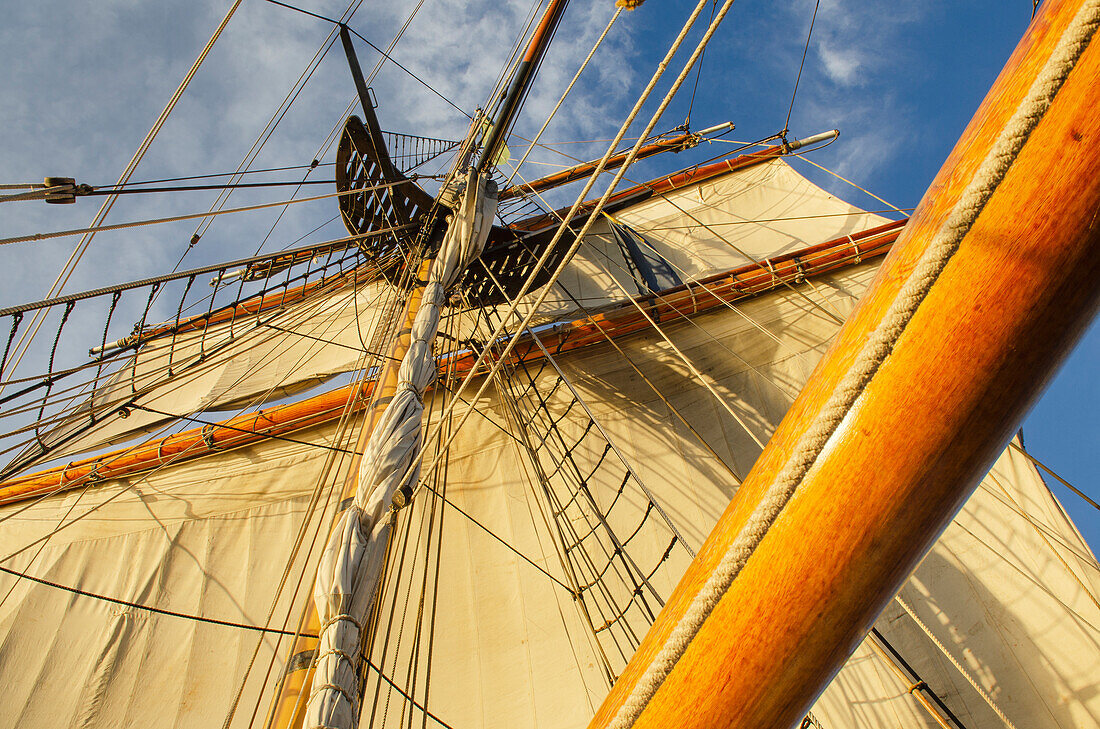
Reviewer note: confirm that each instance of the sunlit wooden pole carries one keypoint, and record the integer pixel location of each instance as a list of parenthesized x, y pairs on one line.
[(979, 349)]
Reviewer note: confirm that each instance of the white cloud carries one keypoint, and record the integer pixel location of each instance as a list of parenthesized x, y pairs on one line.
[(841, 65)]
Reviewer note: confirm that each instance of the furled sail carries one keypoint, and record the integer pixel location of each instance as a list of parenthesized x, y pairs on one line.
[(524, 573)]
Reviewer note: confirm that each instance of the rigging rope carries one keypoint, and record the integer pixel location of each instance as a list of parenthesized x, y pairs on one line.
[(787, 122), (1061, 480), (82, 246), (554, 111), (877, 347), (385, 55), (177, 218), (954, 662), (893, 208), (140, 606)]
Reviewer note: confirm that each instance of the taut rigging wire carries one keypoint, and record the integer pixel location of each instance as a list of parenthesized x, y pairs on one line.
[(385, 55), (177, 218), (140, 606), (798, 78)]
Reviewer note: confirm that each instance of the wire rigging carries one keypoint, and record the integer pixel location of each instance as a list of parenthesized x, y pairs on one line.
[(787, 121), (141, 606), (378, 50)]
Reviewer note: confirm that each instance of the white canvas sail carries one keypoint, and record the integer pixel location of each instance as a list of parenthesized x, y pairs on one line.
[(727, 221), (510, 646), (250, 360)]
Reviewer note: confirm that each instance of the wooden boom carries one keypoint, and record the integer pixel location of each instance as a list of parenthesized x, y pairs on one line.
[(979, 349)]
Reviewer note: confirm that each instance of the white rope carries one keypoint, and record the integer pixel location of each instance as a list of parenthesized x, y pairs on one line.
[(878, 346), (350, 568), (965, 674)]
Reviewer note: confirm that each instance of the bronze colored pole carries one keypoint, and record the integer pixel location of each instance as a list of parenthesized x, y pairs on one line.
[(978, 350)]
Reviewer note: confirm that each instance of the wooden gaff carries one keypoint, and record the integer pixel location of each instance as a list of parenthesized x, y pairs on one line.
[(979, 349)]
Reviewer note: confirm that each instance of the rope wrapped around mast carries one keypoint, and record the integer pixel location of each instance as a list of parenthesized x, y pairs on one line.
[(351, 565)]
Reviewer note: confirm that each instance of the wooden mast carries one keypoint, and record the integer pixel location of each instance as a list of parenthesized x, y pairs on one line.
[(979, 349), (289, 708)]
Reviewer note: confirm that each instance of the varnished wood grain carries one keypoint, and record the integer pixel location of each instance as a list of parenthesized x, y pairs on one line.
[(980, 348)]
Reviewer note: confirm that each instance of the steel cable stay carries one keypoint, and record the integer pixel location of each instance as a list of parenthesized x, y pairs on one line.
[(805, 50), (142, 606)]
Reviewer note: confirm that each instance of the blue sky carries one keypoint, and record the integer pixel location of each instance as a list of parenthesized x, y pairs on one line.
[(84, 81)]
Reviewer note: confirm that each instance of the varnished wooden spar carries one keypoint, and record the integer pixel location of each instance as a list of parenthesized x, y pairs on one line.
[(697, 297), (583, 170), (978, 350)]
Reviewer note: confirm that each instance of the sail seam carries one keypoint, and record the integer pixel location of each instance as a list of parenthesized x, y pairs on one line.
[(880, 344)]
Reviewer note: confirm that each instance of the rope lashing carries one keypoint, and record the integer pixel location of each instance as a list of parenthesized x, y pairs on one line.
[(879, 345), (629, 4)]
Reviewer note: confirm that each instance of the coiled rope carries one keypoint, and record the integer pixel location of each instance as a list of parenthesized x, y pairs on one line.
[(878, 347)]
